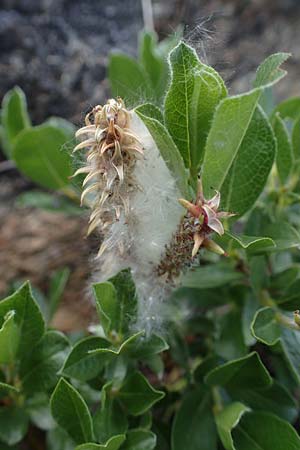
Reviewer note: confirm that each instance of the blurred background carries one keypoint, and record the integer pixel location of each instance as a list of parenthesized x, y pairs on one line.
[(57, 51)]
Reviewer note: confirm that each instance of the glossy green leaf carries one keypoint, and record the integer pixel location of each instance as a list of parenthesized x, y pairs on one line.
[(269, 71), (9, 339), (244, 372), (275, 399), (27, 317), (193, 426), (194, 93), (14, 117), (137, 394), (128, 79), (110, 418), (249, 171), (13, 424), (71, 412), (228, 419), (284, 155), (168, 150), (211, 276), (263, 431), (139, 440), (40, 155), (83, 365), (265, 326), (114, 443), (39, 370)]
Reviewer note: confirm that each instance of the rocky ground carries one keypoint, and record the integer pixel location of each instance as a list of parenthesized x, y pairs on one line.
[(57, 51)]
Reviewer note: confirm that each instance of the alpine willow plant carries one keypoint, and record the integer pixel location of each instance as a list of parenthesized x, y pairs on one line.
[(195, 203)]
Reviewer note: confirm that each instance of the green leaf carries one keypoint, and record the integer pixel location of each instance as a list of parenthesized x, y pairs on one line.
[(110, 419), (228, 419), (39, 154), (14, 117), (39, 371), (67, 127), (296, 139), (71, 412), (58, 283), (193, 426), (264, 431), (168, 150), (83, 365), (27, 317), (253, 244), (137, 395), (58, 439), (289, 109), (13, 424), (290, 343), (225, 138), (154, 64), (116, 302), (7, 388), (211, 276), (48, 201), (126, 348), (289, 300), (230, 342), (283, 234), (128, 79), (146, 346), (284, 157), (38, 409), (265, 327), (139, 440), (150, 111), (9, 339), (249, 171), (114, 443), (269, 71), (194, 93), (275, 399), (244, 372)]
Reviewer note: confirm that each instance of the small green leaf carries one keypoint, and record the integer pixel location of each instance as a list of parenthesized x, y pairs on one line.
[(39, 370), (168, 150), (139, 440), (58, 283), (228, 419), (110, 419), (67, 127), (71, 412), (283, 234), (114, 443), (250, 169), (230, 342), (27, 317), (128, 79), (211, 276), (146, 346), (193, 426), (289, 300), (83, 365), (9, 339), (38, 409), (13, 424), (284, 157), (39, 154), (265, 327), (14, 117), (137, 395), (58, 439), (264, 431), (107, 305), (269, 71), (244, 372), (194, 93)]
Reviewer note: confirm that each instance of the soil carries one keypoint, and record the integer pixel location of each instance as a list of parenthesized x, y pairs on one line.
[(57, 51)]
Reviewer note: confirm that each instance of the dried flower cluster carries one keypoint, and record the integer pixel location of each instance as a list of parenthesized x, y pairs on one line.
[(112, 153)]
